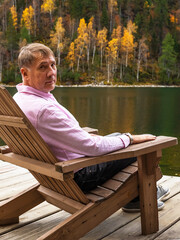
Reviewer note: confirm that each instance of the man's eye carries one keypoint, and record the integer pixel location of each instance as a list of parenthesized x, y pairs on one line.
[(42, 67)]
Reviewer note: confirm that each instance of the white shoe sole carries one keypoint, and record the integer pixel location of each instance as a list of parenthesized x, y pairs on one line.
[(164, 196)]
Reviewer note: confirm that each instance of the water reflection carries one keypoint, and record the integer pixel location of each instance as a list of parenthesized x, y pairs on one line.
[(135, 110)]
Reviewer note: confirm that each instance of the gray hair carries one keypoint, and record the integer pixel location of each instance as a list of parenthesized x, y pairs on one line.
[(28, 54)]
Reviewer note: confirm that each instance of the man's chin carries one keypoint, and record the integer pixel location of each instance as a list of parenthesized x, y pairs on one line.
[(49, 87)]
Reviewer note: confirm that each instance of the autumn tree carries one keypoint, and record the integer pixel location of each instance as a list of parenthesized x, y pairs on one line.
[(127, 42), (102, 41), (81, 41), (14, 16), (27, 19), (57, 38), (112, 56), (71, 56), (117, 33), (48, 6)]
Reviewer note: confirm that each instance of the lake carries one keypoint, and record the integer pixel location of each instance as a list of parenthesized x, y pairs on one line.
[(128, 109)]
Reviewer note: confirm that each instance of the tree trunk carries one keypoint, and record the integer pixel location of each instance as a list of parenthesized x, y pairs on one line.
[(108, 74), (138, 67), (101, 57), (126, 58), (94, 50)]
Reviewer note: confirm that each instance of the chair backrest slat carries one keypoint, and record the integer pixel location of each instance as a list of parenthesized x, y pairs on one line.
[(12, 121), (10, 108), (20, 135)]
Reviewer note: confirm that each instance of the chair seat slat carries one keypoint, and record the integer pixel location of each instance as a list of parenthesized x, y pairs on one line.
[(102, 192), (112, 185)]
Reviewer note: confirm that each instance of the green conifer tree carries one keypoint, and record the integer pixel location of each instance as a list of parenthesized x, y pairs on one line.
[(168, 59)]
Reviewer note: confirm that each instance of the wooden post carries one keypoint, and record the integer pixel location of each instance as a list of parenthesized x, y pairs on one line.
[(148, 192)]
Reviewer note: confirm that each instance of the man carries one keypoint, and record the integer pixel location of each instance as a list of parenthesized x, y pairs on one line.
[(59, 128)]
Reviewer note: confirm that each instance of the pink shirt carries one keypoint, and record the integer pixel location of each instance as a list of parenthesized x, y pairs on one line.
[(60, 130)]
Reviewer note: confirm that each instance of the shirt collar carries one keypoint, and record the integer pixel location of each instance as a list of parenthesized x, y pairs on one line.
[(30, 90)]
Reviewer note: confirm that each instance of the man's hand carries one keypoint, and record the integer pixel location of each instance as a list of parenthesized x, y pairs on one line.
[(143, 138)]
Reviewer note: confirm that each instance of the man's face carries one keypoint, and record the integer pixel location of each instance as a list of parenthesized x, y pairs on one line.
[(42, 75)]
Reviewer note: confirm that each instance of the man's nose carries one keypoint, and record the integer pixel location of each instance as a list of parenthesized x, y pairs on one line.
[(51, 71)]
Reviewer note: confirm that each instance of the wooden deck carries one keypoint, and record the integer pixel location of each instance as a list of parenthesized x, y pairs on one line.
[(119, 226)]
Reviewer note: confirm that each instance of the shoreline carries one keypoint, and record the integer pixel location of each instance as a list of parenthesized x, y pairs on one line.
[(111, 86), (121, 86)]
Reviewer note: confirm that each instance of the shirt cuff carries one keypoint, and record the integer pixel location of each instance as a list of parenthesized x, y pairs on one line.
[(125, 139)]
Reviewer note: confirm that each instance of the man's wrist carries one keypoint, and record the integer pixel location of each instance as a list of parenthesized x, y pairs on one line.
[(130, 137)]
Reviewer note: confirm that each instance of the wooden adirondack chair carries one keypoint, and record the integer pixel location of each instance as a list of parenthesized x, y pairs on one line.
[(27, 149)]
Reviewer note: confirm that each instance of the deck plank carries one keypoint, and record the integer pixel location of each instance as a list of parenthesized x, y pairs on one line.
[(119, 226), (132, 230), (172, 233), (166, 217), (41, 211), (35, 229)]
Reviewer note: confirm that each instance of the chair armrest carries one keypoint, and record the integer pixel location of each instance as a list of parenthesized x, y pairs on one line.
[(134, 150)]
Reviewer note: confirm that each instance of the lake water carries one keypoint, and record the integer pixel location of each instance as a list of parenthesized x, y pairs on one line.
[(135, 110)]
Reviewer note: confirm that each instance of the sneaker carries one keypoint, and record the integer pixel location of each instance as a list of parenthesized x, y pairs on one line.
[(162, 192), (133, 207)]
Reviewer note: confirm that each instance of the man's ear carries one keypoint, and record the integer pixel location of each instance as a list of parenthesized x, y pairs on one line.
[(25, 73)]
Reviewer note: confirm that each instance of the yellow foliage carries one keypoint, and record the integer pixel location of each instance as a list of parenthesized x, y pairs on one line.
[(82, 40), (82, 27), (48, 6), (102, 37), (14, 16), (127, 41), (90, 24), (117, 33), (71, 56), (58, 35), (112, 49), (27, 18), (173, 19), (91, 31)]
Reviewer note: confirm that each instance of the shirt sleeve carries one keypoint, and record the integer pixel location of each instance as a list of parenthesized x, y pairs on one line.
[(61, 131)]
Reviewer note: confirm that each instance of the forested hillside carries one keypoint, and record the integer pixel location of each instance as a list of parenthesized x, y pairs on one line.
[(95, 41)]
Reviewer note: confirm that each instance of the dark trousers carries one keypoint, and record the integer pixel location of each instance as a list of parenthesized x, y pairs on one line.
[(92, 176)]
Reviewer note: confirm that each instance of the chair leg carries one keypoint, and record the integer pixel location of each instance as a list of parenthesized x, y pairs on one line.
[(148, 193), (11, 209), (92, 214)]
